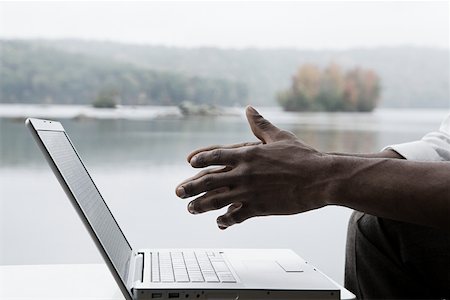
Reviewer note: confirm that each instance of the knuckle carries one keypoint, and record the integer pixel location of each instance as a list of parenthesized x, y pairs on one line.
[(239, 217), (188, 187), (219, 190), (232, 219), (242, 181), (250, 154), (246, 176), (215, 203), (227, 219), (284, 134), (207, 181), (216, 154), (196, 205), (263, 123), (200, 159)]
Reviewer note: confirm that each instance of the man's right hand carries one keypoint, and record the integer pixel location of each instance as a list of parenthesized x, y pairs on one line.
[(279, 175)]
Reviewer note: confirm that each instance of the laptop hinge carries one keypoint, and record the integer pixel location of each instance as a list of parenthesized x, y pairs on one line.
[(135, 269), (139, 267)]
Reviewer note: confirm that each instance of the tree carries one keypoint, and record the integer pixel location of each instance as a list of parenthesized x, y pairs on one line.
[(331, 89), (106, 98)]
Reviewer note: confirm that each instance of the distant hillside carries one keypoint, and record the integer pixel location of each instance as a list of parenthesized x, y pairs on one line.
[(34, 73), (410, 77)]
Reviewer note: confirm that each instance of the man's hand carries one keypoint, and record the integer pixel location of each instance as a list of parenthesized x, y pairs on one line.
[(278, 176)]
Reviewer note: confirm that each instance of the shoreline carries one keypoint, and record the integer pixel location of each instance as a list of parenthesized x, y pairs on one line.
[(82, 112), (60, 111), (147, 112)]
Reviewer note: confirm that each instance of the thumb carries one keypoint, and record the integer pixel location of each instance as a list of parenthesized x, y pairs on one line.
[(262, 128)]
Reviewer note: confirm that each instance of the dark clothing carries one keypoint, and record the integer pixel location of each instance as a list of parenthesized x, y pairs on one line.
[(387, 259)]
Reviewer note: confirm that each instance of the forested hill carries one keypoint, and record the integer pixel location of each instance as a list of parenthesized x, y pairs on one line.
[(35, 73), (410, 77)]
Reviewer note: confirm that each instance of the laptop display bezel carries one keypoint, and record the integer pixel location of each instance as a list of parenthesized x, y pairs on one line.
[(35, 125)]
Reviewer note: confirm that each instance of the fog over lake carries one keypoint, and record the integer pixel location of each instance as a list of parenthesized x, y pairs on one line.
[(137, 164)]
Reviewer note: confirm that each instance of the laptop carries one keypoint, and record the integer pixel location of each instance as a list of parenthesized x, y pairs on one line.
[(175, 273)]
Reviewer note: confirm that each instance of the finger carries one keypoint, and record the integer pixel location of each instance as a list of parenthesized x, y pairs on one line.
[(209, 148), (225, 157), (205, 183), (212, 200), (236, 214), (263, 129), (203, 173)]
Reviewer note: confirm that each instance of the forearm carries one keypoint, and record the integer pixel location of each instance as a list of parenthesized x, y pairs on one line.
[(415, 192)]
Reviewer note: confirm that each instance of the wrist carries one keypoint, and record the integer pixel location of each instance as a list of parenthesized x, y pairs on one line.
[(338, 172), (343, 172)]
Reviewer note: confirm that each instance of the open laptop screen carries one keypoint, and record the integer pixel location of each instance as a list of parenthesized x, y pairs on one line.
[(88, 198)]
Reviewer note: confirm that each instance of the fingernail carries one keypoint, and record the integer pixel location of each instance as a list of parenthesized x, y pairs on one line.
[(253, 110), (181, 192), (222, 227), (191, 208), (193, 160)]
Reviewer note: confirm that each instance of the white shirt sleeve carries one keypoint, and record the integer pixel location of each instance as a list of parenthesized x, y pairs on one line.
[(435, 146)]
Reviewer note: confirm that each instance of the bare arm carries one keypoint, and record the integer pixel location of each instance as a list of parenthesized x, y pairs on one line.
[(415, 192), (282, 175)]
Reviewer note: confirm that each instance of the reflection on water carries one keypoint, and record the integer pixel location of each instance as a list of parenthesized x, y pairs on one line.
[(137, 164)]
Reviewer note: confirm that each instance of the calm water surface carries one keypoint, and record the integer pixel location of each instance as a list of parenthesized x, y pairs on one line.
[(137, 164)]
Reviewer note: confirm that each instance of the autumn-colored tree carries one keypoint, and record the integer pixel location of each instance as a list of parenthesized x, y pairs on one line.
[(363, 89), (331, 89)]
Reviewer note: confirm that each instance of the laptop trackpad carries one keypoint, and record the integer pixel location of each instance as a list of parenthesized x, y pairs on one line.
[(290, 265), (266, 273), (261, 266), (285, 265)]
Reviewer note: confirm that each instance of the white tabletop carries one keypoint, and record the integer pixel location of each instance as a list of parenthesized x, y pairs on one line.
[(88, 281), (81, 281)]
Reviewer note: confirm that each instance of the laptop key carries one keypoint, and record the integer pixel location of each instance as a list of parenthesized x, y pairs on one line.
[(220, 266), (182, 279), (211, 278), (197, 279), (226, 277)]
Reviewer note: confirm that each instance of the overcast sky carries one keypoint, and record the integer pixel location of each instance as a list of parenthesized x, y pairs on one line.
[(310, 25)]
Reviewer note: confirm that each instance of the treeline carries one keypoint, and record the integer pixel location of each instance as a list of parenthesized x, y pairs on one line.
[(331, 89), (35, 73), (411, 76), (74, 71)]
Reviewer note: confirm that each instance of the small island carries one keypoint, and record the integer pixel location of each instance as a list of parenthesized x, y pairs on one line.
[(106, 99), (188, 108), (331, 89)]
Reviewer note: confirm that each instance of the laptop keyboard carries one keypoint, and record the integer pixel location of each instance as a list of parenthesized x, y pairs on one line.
[(190, 266)]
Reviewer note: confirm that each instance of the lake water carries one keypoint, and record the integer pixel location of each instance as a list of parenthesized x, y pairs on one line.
[(137, 164)]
